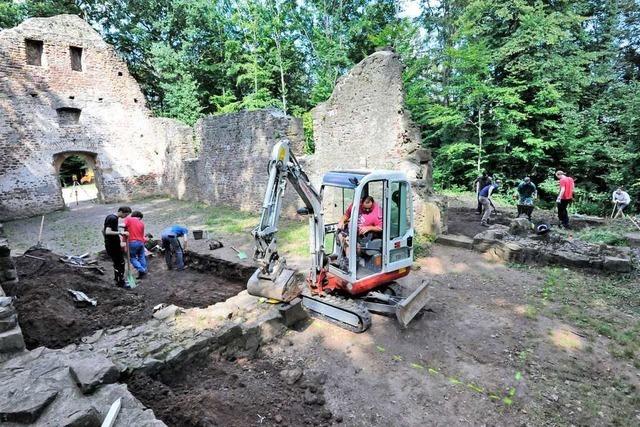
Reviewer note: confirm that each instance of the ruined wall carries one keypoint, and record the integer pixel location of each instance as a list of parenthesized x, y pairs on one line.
[(233, 154), (364, 125), (49, 110)]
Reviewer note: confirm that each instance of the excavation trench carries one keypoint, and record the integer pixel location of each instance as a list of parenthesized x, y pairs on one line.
[(49, 317)]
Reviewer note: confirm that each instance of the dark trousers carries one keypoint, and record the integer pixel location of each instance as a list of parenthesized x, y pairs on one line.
[(563, 214), (117, 257), (172, 247), (526, 210), (479, 208)]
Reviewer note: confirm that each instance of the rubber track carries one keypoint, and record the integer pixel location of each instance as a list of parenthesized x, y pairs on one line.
[(352, 306)]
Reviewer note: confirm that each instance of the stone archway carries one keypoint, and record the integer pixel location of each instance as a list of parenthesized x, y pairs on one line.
[(90, 159)]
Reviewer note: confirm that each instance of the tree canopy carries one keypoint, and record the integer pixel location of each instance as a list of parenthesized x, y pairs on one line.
[(514, 87)]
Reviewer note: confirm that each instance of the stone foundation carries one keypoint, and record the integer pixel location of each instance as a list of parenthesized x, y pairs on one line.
[(11, 340), (551, 249)]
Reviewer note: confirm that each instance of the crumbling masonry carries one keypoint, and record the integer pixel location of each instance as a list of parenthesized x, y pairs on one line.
[(64, 91)]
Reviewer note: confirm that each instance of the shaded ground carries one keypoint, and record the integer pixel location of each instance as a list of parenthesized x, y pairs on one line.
[(48, 316), (213, 391)]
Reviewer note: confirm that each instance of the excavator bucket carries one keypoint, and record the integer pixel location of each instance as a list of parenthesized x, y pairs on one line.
[(407, 309), (284, 287)]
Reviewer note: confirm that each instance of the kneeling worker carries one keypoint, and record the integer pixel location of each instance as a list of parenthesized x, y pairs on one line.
[(172, 246)]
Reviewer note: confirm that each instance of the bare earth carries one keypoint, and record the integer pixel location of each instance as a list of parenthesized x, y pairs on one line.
[(493, 347)]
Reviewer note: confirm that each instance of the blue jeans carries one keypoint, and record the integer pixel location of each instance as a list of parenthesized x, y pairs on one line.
[(172, 247), (138, 259)]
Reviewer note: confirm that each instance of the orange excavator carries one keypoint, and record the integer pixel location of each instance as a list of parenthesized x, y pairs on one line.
[(346, 282)]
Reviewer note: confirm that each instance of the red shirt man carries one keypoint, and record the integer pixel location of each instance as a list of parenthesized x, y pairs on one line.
[(564, 197), (135, 227), (369, 216)]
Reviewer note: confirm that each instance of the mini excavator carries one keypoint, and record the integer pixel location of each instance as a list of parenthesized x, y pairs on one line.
[(346, 282)]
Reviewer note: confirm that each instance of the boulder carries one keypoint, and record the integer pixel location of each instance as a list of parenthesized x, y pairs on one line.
[(11, 340), (618, 265), (520, 226)]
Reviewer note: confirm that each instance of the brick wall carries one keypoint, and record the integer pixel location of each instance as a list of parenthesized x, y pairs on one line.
[(115, 131), (364, 125)]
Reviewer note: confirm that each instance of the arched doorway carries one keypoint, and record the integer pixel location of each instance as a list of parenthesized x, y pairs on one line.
[(77, 177)]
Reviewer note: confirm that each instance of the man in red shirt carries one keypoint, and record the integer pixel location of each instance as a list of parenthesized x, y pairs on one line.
[(136, 240), (369, 221), (565, 196)]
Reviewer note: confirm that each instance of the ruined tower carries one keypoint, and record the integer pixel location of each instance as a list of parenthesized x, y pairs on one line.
[(63, 92)]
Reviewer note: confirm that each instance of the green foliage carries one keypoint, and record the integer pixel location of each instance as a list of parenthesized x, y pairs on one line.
[(513, 87), (307, 124)]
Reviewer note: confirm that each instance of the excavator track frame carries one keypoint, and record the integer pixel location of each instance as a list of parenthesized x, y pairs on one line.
[(346, 313)]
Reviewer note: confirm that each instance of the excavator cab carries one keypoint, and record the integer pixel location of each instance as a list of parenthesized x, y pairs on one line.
[(361, 260)]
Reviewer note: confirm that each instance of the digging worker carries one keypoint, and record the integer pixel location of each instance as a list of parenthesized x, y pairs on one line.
[(527, 192), (481, 182), (136, 240), (485, 200), (172, 246), (565, 197), (369, 220), (621, 200), (113, 243)]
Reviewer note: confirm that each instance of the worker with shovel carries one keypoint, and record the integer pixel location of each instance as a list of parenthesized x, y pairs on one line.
[(172, 246), (113, 243), (621, 200)]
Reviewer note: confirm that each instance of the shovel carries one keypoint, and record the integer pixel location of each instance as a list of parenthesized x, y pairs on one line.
[(131, 280), (241, 254)]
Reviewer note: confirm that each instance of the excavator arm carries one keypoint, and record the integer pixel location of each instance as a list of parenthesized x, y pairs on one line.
[(273, 279)]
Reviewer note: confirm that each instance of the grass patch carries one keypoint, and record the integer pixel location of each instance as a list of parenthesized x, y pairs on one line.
[(607, 306), (229, 221), (609, 234)]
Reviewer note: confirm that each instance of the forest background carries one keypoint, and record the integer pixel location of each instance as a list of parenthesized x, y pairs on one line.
[(513, 87)]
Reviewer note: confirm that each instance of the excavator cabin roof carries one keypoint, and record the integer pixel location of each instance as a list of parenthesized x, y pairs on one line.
[(351, 179)]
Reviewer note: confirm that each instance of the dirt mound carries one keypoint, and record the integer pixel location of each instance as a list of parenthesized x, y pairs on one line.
[(213, 391), (49, 317)]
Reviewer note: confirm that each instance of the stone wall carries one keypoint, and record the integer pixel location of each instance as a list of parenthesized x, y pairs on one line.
[(11, 340), (364, 126), (233, 155), (49, 111)]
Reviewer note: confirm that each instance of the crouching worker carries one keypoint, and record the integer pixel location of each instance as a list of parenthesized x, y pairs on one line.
[(172, 245)]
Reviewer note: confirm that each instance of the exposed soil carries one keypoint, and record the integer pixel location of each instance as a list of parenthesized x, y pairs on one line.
[(49, 317), (465, 221), (213, 391)]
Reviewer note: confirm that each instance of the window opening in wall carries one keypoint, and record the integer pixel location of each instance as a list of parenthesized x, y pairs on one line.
[(34, 49), (76, 58), (68, 116), (77, 179), (119, 73)]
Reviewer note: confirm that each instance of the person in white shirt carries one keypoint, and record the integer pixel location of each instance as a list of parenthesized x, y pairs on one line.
[(621, 200)]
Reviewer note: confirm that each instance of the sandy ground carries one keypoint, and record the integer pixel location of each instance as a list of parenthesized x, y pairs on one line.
[(78, 229)]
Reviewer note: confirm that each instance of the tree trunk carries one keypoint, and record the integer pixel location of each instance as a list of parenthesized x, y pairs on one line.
[(479, 139)]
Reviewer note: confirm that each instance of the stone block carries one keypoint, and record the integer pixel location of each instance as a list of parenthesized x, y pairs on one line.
[(520, 226), (455, 240), (633, 239), (91, 373), (83, 417), (11, 340), (619, 265), (293, 312), (8, 323), (25, 405)]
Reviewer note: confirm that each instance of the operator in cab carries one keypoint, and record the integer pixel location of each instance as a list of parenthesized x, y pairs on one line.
[(369, 221)]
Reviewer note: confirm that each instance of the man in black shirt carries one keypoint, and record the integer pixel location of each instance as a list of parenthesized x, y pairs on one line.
[(112, 235)]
